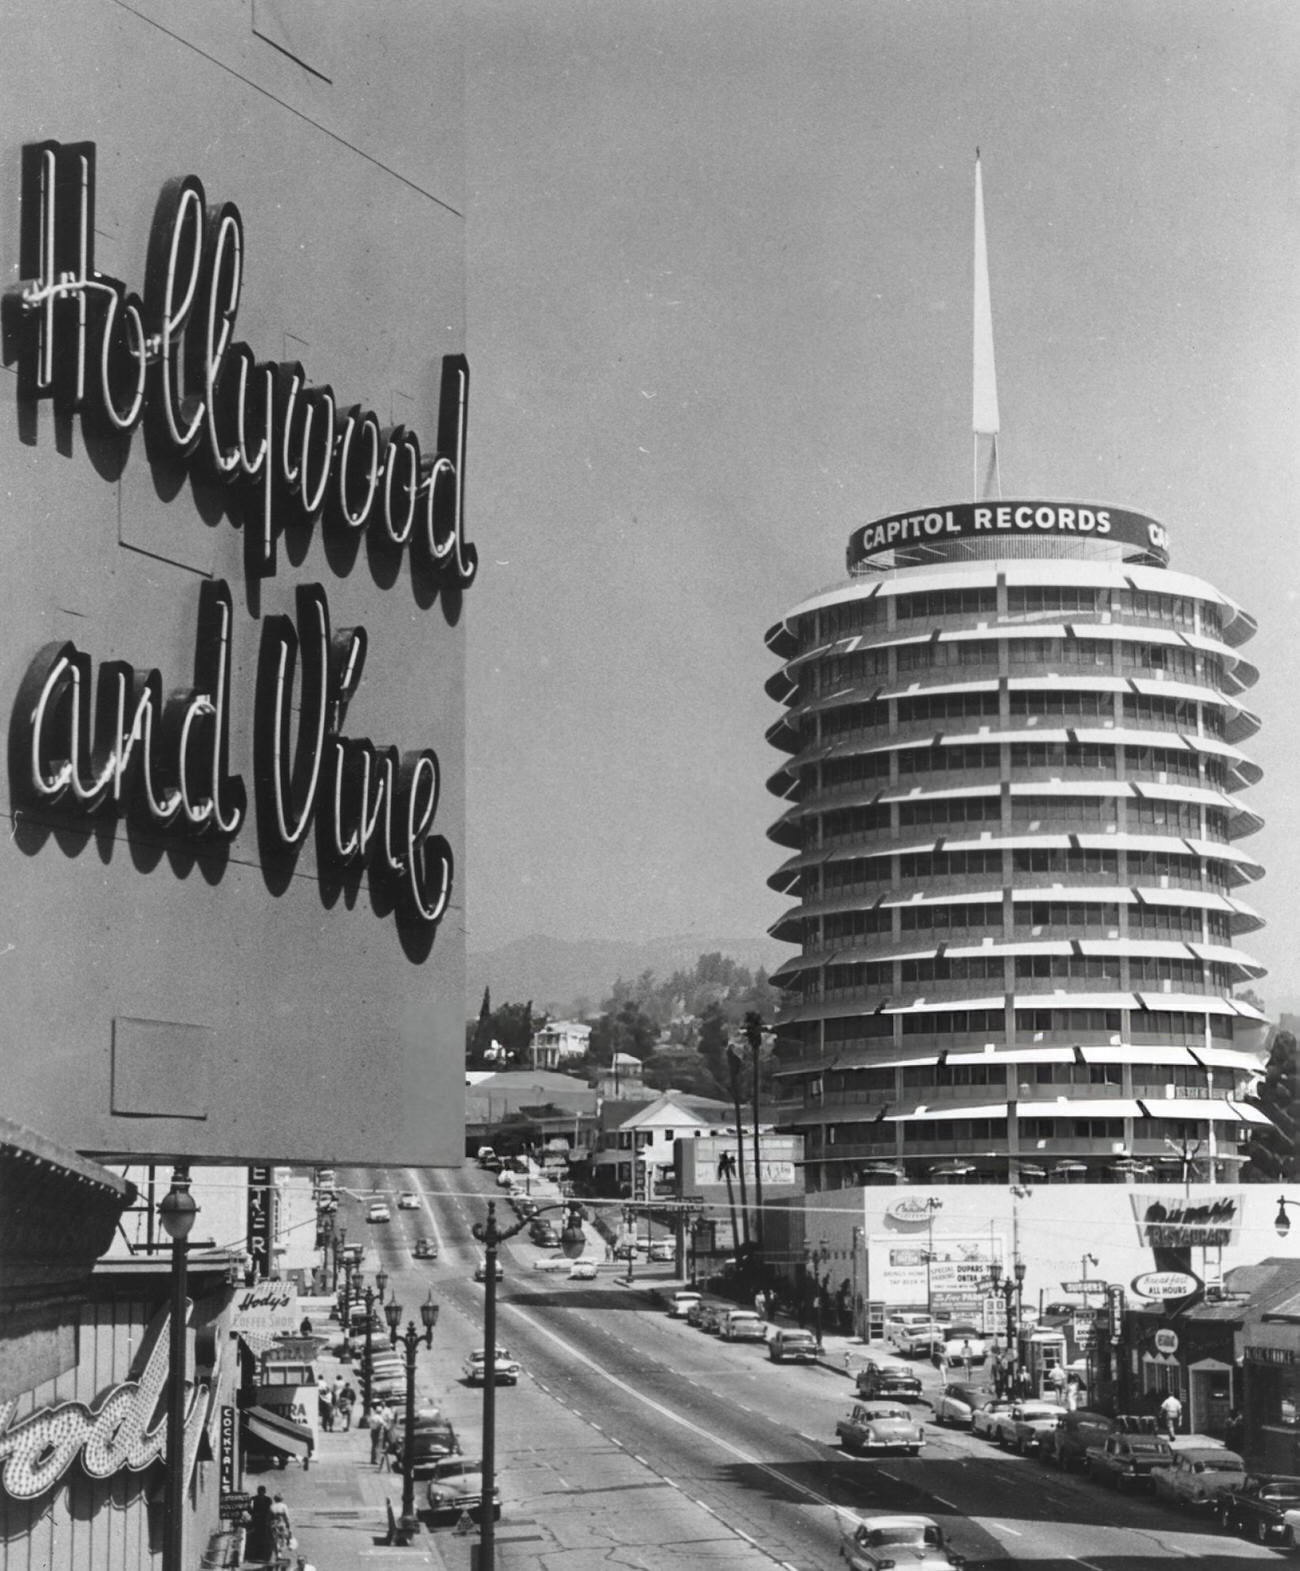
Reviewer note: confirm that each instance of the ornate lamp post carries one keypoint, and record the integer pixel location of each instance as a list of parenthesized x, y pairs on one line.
[(337, 1243), (932, 1205), (410, 1340), (176, 1212), (381, 1281), (573, 1241), (1282, 1222)]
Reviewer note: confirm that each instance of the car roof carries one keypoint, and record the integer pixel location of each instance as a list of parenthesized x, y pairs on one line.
[(897, 1519)]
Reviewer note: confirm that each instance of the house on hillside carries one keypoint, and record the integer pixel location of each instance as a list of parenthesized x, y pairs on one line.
[(636, 1139), (559, 1041)]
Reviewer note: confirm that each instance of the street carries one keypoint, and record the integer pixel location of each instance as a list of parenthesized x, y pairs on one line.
[(635, 1434)]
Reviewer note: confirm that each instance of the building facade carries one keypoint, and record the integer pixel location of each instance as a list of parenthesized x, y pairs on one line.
[(1013, 791)]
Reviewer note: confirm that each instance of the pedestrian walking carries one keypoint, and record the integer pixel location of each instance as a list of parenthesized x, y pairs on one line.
[(325, 1397), (259, 1540), (346, 1401), (1171, 1412), (1057, 1377), (282, 1533), (378, 1423)]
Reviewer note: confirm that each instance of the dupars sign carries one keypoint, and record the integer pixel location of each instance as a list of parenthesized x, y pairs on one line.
[(989, 520)]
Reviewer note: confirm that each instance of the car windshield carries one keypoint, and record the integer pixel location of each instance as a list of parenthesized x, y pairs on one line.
[(886, 1412), (964, 1331), (1287, 1492), (906, 1535), (1148, 1447)]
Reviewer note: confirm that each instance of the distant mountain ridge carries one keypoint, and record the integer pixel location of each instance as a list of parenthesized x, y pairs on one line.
[(555, 973)]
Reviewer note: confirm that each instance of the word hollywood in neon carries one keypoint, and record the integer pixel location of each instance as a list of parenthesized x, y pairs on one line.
[(125, 1429), (170, 359)]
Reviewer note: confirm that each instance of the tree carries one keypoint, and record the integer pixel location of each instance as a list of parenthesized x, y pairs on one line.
[(1272, 1148)]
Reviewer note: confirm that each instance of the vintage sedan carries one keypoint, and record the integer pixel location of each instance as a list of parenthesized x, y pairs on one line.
[(880, 1426), (378, 1212), (955, 1405), (682, 1303), (456, 1489), (425, 1249), (888, 1380), (508, 1369), (1266, 1507), (1197, 1476), (1127, 1461), (874, 1543), (987, 1414), (963, 1346), (408, 1200), (583, 1270), (552, 1263), (1025, 1425), (481, 1271), (914, 1337)]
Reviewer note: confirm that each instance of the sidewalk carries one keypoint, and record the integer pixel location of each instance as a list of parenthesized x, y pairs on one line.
[(339, 1507)]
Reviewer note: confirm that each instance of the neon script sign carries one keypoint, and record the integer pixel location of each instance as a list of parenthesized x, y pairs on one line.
[(126, 1429), (120, 742), (170, 360)]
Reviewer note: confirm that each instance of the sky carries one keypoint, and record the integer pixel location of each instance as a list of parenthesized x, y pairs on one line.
[(719, 315)]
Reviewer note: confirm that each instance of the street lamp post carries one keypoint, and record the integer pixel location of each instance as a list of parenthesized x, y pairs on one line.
[(381, 1281), (1282, 1222), (176, 1212), (932, 1205), (410, 1340), (572, 1241)]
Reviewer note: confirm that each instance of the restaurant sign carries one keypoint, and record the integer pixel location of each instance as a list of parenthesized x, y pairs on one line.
[(1171, 1222)]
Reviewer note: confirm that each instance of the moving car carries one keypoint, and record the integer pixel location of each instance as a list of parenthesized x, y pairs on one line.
[(1025, 1426), (552, 1263), (917, 1542), (955, 1405), (681, 1303), (1126, 1461), (582, 1270), (425, 1249), (408, 1200), (1197, 1476), (1266, 1507), (986, 1415), (508, 1369), (888, 1380), (378, 1212), (662, 1249), (743, 1325), (456, 1487), (880, 1426), (791, 1346), (480, 1271)]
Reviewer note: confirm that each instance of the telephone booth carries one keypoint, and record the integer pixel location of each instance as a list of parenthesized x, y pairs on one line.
[(1040, 1353)]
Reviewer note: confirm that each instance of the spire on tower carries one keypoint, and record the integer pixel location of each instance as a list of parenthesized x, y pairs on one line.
[(988, 477)]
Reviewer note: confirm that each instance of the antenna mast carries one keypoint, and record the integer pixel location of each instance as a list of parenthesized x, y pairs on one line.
[(988, 476)]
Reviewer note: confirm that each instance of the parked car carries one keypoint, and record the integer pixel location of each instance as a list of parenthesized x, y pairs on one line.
[(743, 1325), (480, 1271), (888, 1380), (1126, 1461), (1026, 1426), (425, 1249), (508, 1369), (708, 1317), (582, 1270), (1265, 1506), (1197, 1475), (880, 1426), (963, 1345), (1075, 1433), (792, 1346), (456, 1487), (430, 1444), (916, 1542), (378, 1212), (681, 1303), (914, 1337), (986, 1415), (955, 1405), (408, 1200)]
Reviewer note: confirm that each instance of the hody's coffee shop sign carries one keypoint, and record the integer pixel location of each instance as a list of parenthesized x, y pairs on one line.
[(126, 1428), (119, 740)]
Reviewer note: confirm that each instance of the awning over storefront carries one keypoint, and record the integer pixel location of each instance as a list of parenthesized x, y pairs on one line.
[(278, 1432)]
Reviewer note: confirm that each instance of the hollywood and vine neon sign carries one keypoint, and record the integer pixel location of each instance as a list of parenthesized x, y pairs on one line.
[(115, 740)]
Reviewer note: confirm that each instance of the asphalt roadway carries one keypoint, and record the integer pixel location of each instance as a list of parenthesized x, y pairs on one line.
[(635, 1442)]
